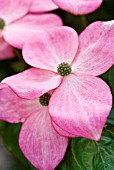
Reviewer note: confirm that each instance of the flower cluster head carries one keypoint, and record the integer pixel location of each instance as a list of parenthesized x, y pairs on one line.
[(17, 26)]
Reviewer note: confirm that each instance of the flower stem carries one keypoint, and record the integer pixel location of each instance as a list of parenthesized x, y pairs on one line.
[(83, 21)]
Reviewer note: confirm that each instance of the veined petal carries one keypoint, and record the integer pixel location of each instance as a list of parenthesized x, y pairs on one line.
[(96, 53), (61, 131), (6, 51), (18, 32), (11, 10), (81, 105), (33, 82), (78, 7), (49, 49), (42, 6), (40, 143), (13, 108)]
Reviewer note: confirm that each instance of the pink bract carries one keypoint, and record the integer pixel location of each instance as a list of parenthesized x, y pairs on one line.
[(19, 25), (6, 51), (42, 6), (38, 140), (81, 102), (78, 7)]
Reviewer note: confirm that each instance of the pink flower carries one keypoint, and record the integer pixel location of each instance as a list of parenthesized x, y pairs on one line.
[(38, 140), (81, 102), (78, 7), (17, 26), (42, 6)]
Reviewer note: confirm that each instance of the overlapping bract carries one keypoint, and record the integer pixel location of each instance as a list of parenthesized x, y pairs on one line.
[(20, 25), (40, 143), (81, 102)]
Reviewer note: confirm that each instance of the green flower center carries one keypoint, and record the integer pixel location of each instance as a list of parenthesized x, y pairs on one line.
[(64, 69), (44, 99), (2, 24)]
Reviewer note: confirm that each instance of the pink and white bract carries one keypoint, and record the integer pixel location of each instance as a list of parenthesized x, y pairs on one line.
[(17, 26), (6, 51), (78, 7), (81, 102), (38, 140), (42, 6)]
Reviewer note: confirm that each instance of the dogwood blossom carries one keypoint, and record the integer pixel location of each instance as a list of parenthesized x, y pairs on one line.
[(42, 6), (81, 102), (17, 26), (78, 7), (38, 140)]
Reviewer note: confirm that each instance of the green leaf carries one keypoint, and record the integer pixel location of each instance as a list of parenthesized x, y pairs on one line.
[(2, 123), (10, 138), (92, 155), (110, 119), (68, 163), (111, 78)]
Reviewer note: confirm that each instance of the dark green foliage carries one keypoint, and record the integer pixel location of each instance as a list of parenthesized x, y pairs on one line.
[(91, 155)]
